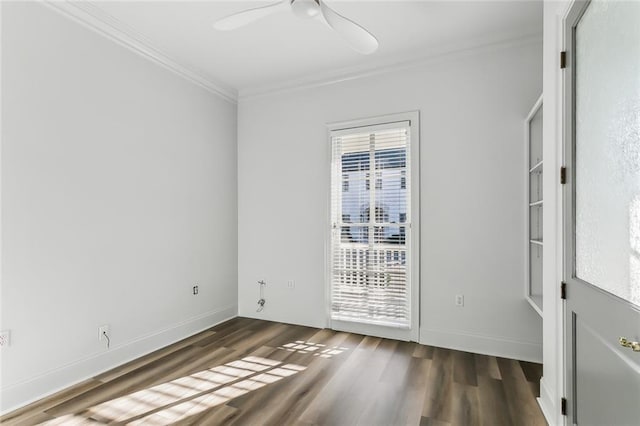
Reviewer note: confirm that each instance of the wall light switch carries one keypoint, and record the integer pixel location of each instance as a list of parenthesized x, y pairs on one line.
[(459, 300)]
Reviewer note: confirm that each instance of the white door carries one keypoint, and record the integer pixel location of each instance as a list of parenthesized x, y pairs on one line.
[(373, 260), (602, 213)]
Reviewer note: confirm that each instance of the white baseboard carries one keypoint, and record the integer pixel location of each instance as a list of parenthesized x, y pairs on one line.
[(546, 403), (482, 344), (20, 394)]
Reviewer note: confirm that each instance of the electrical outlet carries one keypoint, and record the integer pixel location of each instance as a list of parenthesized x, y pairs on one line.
[(291, 284), (102, 330), (459, 300), (195, 289), (5, 338)]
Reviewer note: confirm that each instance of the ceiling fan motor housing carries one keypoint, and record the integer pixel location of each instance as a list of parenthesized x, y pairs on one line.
[(305, 8), (356, 36)]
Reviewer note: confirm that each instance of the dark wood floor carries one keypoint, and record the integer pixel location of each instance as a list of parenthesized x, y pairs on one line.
[(249, 372)]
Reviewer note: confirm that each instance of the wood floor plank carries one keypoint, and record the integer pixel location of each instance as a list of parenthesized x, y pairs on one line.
[(464, 368), (293, 333), (32, 412), (38, 417), (353, 397), (123, 384), (227, 341), (437, 403), (224, 415), (411, 408), (385, 408), (493, 402), (268, 407), (142, 361), (426, 421), (423, 351), (258, 338), (521, 401), (342, 399), (398, 363), (252, 372), (535, 388), (487, 366), (265, 405), (531, 370), (190, 360), (236, 387), (465, 405)]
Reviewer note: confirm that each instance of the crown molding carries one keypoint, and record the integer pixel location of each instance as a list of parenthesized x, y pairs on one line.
[(443, 54), (96, 19)]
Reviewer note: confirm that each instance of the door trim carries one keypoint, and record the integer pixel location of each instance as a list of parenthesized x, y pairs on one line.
[(413, 333), (569, 319), (573, 16)]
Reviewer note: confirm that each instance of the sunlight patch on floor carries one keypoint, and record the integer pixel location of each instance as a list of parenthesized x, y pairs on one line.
[(220, 396), (317, 349), (160, 404)]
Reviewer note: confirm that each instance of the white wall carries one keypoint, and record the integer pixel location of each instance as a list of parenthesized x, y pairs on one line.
[(118, 195), (473, 107)]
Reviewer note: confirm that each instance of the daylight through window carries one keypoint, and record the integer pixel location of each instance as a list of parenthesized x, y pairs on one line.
[(371, 225)]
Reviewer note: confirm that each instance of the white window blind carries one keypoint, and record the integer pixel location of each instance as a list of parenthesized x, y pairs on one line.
[(371, 225)]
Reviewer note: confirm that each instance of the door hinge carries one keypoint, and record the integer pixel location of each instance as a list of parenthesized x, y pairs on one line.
[(563, 290), (563, 60), (563, 175), (563, 406)]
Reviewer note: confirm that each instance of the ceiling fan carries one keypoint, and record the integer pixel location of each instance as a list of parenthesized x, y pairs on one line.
[(356, 36)]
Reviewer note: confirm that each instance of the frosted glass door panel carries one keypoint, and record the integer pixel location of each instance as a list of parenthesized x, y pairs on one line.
[(607, 163)]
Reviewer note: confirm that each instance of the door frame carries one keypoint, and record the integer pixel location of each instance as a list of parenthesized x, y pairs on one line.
[(572, 18), (413, 333)]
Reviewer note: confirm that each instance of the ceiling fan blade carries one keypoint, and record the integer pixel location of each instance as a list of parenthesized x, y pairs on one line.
[(245, 17), (358, 38)]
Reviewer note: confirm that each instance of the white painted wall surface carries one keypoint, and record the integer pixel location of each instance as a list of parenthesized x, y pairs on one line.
[(118, 195), (472, 107)]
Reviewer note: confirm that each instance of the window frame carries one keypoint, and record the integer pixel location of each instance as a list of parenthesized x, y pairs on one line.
[(413, 243)]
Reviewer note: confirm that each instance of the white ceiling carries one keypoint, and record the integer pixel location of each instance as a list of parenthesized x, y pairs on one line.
[(282, 48)]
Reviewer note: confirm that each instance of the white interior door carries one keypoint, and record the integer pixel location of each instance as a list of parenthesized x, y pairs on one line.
[(602, 212)]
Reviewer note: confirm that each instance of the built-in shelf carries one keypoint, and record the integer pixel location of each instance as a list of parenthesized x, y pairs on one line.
[(536, 302), (537, 167), (533, 171)]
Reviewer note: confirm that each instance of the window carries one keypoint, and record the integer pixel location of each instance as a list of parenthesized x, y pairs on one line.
[(371, 251), (379, 183), (345, 182)]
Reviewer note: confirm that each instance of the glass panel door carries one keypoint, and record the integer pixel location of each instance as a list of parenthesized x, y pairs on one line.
[(602, 212), (607, 157)]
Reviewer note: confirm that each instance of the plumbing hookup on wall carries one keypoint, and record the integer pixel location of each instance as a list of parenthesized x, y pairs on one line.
[(261, 300)]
